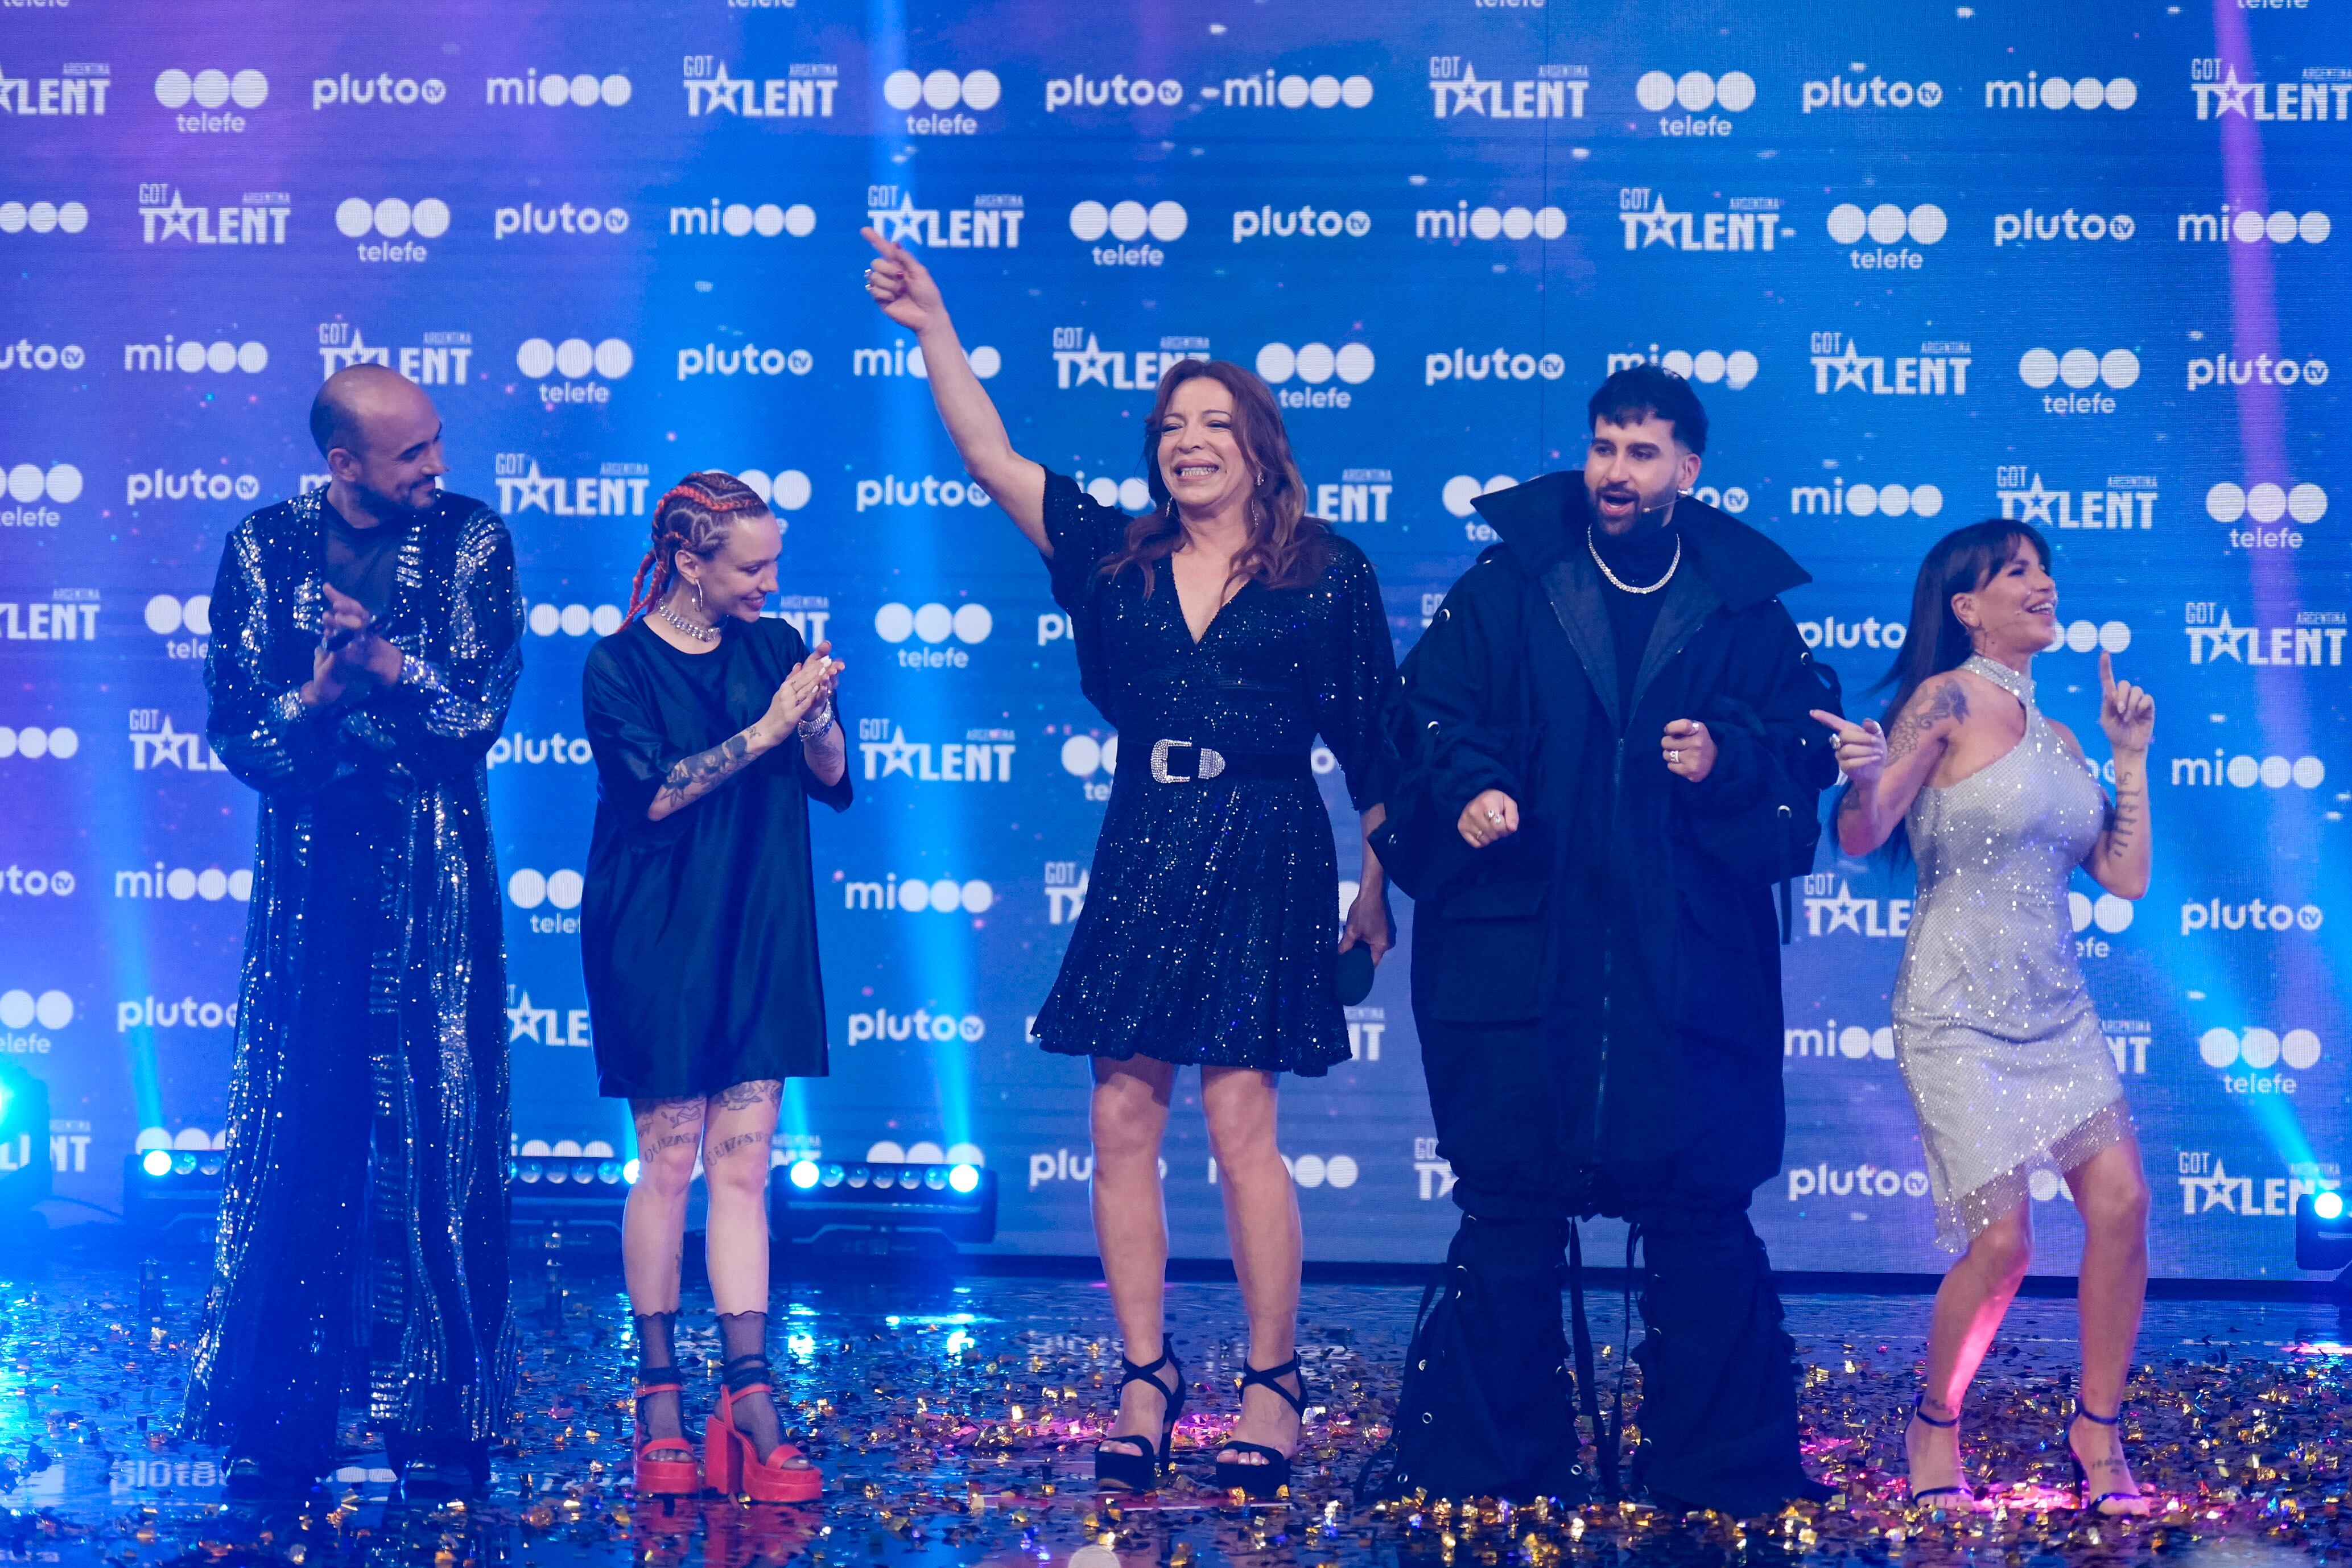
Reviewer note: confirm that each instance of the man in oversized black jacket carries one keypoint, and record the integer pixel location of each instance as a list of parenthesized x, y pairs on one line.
[(1612, 765)]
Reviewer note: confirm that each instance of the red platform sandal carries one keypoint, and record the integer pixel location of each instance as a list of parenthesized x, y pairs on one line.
[(665, 1467), (733, 1462)]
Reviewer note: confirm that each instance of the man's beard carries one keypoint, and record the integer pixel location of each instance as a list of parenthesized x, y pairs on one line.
[(1650, 513), (384, 505)]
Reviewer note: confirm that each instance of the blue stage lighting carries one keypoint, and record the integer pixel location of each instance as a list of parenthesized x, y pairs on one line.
[(883, 1208), (629, 1174), (156, 1161), (2323, 1233)]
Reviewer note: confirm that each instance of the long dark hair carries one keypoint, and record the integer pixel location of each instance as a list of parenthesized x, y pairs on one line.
[(696, 516), (1962, 561), (1286, 548)]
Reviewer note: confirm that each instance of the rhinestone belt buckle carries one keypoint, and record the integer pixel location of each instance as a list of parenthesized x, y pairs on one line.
[(1206, 764)]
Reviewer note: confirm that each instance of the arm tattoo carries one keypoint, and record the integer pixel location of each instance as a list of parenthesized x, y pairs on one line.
[(742, 1096), (2123, 820), (695, 775), (1911, 727), (1849, 801)]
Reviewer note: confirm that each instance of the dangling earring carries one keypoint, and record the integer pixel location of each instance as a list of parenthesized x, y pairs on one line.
[(1261, 479), (699, 608)]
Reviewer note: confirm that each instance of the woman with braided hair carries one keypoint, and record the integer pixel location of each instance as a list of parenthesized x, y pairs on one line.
[(712, 726)]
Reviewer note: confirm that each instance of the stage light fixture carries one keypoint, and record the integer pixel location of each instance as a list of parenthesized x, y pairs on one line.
[(880, 1209), (173, 1194), (568, 1185), (2322, 1232)]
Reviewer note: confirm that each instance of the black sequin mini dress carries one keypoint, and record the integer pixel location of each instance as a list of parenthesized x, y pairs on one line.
[(1212, 917)]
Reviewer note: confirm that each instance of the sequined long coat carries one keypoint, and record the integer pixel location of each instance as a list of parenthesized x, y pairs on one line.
[(434, 1277)]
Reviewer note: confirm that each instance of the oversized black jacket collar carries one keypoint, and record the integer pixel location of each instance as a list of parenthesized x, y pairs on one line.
[(1545, 520)]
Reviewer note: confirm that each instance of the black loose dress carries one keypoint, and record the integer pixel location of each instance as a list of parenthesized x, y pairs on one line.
[(698, 932), (1211, 919)]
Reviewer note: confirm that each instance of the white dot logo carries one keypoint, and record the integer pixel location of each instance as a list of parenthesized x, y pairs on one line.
[(1293, 91), (915, 895), (528, 888), (2108, 912), (210, 89), (33, 742), (2248, 226), (2085, 93), (1887, 224), (1131, 494), (548, 620), (767, 220), (895, 622), (787, 490), (22, 1009), (1315, 363), (1129, 221), (1695, 92), (2261, 1050), (583, 90), (42, 217), (1322, 1170), (29, 482), (1514, 223), (357, 217), (1734, 370), (2265, 502), (574, 358), (1083, 756), (2091, 636), (1463, 489), (2078, 368), (942, 89), (166, 614), (190, 356)]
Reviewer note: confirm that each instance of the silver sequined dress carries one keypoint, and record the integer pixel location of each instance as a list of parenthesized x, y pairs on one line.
[(1994, 1030)]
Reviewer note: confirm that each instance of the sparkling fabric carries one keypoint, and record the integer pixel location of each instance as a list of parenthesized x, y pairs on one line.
[(377, 1256), (1212, 915), (1994, 1029)]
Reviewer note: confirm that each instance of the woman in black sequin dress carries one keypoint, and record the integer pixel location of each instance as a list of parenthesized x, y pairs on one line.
[(1220, 634)]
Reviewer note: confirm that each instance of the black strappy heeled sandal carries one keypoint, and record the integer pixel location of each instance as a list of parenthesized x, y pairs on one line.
[(1268, 1481), (1123, 1469), (1961, 1492), (2082, 1498)]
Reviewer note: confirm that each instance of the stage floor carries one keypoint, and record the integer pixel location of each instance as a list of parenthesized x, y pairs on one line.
[(954, 1420)]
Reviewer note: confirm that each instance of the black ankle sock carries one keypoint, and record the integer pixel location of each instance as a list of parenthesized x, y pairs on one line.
[(743, 1340), (658, 1414)]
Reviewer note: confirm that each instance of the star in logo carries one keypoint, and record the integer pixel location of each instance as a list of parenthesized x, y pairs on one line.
[(897, 754), (904, 222), (16, 96), (532, 489), (2232, 94), (1845, 910), (1848, 366), (178, 217), (2223, 640), (1658, 227), (1469, 92), (525, 1022), (2219, 1188), (2037, 503), (1093, 363)]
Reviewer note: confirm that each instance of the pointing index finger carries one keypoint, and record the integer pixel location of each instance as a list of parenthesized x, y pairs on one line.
[(2106, 672)]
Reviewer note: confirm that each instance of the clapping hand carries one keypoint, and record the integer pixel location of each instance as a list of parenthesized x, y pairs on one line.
[(2126, 712), (807, 688)]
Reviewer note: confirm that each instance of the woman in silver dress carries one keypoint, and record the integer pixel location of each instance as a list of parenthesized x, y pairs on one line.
[(1994, 1030)]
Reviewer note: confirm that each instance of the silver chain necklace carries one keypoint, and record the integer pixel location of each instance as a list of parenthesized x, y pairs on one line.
[(1615, 581), (699, 634)]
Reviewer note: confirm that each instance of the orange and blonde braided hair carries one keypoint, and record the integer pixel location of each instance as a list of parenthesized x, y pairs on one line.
[(695, 516)]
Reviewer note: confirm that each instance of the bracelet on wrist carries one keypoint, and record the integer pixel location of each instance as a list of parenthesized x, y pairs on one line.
[(817, 723)]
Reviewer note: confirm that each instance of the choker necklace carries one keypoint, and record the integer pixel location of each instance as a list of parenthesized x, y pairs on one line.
[(1615, 582), (709, 633)]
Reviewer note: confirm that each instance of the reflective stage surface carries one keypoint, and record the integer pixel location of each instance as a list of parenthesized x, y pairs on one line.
[(954, 1420)]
